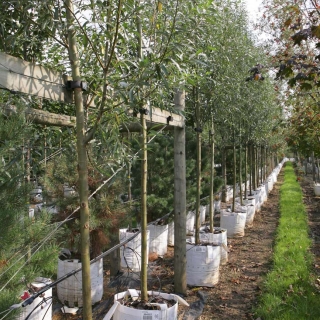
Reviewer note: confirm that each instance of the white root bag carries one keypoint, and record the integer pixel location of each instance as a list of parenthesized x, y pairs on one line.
[(317, 189), (258, 202), (202, 214), (203, 265), (234, 222), (39, 312), (217, 239), (217, 206), (190, 222), (158, 239), (130, 253), (250, 215), (121, 312), (171, 234), (70, 290), (270, 184)]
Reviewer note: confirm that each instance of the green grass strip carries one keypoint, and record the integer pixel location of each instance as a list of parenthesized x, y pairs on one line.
[(288, 291)]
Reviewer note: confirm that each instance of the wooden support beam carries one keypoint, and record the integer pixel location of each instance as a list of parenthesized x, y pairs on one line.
[(18, 75), (21, 76), (44, 117), (156, 115)]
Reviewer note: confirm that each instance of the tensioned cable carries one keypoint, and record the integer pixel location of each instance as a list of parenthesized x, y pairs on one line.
[(40, 244)]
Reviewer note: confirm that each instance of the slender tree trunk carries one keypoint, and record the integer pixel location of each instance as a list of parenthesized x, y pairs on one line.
[(234, 174), (129, 193), (144, 172), (224, 175), (253, 161), (240, 174), (82, 166), (240, 169), (180, 214), (211, 205), (257, 165), (198, 125), (114, 255), (313, 168), (261, 164), (250, 168), (245, 170)]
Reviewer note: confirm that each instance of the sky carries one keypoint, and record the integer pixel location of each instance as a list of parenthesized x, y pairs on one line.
[(252, 7)]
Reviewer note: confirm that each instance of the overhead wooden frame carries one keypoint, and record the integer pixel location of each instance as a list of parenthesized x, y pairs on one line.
[(44, 117), (17, 75)]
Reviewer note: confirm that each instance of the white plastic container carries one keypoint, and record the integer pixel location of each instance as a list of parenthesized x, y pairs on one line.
[(203, 265), (120, 312), (234, 222), (217, 206), (130, 253), (31, 213), (43, 311), (202, 214), (317, 189), (158, 239), (190, 222), (171, 234), (270, 184), (69, 291), (69, 192), (250, 215), (218, 237)]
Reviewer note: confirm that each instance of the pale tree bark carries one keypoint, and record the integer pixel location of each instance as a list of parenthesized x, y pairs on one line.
[(234, 174), (245, 170), (180, 261), (82, 166), (198, 164), (224, 174), (144, 172), (211, 206)]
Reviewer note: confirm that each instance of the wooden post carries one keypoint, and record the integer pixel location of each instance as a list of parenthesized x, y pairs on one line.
[(180, 278), (82, 166)]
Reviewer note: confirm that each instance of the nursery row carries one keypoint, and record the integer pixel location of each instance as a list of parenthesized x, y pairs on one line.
[(203, 260)]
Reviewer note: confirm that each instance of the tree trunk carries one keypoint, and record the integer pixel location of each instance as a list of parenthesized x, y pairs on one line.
[(224, 175), (240, 174), (198, 127), (114, 255), (234, 175), (313, 168), (211, 206), (245, 170), (180, 262), (144, 172), (253, 163), (82, 166)]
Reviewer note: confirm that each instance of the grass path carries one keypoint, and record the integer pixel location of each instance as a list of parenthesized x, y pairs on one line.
[(288, 292)]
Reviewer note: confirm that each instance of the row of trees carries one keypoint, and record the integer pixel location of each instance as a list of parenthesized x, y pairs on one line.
[(133, 54)]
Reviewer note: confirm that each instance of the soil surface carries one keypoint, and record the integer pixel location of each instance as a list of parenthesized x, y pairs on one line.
[(240, 283)]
